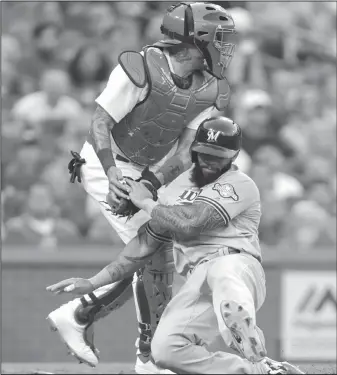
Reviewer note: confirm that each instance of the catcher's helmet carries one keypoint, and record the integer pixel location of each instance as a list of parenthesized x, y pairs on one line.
[(208, 26), (218, 136)]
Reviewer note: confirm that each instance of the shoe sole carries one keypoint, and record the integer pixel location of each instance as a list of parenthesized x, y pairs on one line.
[(54, 328), (245, 337)]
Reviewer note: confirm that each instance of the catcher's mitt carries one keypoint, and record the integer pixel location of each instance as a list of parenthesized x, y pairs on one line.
[(125, 207), (74, 166)]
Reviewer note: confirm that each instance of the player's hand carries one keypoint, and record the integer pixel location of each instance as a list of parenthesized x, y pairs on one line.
[(75, 285), (139, 193), (117, 189)]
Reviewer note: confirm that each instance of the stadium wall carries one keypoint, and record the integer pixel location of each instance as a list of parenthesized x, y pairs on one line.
[(298, 317)]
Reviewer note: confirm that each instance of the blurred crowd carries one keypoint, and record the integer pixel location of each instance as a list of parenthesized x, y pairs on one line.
[(57, 57)]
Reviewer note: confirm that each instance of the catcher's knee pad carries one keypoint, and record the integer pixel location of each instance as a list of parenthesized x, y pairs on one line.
[(106, 299), (153, 291)]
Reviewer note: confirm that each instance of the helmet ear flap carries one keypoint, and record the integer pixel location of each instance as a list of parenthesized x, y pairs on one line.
[(194, 157)]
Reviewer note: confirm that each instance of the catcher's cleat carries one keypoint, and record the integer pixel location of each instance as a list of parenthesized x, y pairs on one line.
[(269, 366), (245, 334), (74, 334), (89, 339), (149, 367)]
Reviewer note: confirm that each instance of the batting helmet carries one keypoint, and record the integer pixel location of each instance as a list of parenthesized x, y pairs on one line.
[(218, 136), (208, 26)]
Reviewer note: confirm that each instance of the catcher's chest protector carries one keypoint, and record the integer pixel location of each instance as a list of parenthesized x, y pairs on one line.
[(150, 130)]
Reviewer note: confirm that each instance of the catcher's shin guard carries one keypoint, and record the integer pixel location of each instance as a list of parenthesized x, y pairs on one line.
[(100, 303), (152, 289)]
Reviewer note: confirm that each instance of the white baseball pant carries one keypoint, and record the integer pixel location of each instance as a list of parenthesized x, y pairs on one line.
[(193, 319)]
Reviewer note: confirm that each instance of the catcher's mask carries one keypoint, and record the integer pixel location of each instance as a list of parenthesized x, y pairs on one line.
[(208, 26), (217, 136)]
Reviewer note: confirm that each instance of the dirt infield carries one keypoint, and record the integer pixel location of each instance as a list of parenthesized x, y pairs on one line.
[(114, 368), (66, 368)]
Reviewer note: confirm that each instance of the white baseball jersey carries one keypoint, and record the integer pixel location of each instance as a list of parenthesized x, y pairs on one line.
[(236, 198)]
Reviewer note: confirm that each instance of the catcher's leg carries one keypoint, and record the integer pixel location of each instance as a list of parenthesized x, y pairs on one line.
[(152, 291), (73, 319)]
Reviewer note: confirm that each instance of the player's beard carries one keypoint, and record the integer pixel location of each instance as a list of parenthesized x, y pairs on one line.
[(204, 176)]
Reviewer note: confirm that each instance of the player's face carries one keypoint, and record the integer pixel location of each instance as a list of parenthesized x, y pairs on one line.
[(208, 168), (197, 58), (211, 164)]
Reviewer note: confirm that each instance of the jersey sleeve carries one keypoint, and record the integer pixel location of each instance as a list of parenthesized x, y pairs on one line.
[(154, 231), (208, 112), (230, 198), (120, 95)]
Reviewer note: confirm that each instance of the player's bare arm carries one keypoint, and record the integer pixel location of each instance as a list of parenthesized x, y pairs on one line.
[(101, 125), (189, 220), (134, 255), (180, 161)]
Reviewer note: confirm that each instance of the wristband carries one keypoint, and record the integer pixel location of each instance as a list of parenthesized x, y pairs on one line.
[(106, 158), (102, 278), (150, 176)]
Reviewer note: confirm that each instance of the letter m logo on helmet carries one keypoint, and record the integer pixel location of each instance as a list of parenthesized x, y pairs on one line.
[(212, 135), (218, 136)]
